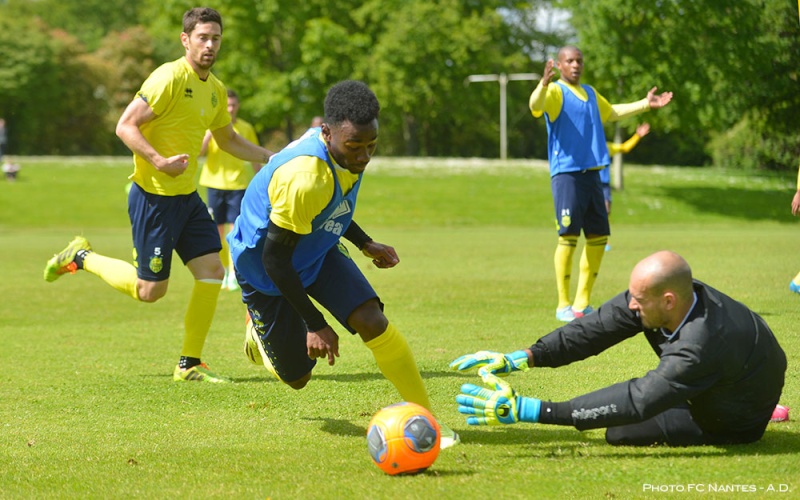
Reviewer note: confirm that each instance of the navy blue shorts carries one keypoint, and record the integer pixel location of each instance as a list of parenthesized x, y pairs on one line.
[(340, 288), (579, 203), (224, 205), (161, 224)]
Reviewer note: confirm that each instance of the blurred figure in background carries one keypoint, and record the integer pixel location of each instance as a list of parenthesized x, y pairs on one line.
[(226, 177)]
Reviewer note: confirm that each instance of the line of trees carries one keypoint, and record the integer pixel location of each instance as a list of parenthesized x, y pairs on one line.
[(68, 68)]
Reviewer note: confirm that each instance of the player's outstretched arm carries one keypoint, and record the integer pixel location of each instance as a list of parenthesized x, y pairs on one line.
[(233, 143), (495, 407)]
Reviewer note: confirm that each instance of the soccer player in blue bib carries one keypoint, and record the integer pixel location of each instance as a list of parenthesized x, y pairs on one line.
[(286, 250), (577, 152), (164, 126)]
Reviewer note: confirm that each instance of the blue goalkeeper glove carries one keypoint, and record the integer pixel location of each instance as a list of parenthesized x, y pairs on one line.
[(495, 363), (503, 406)]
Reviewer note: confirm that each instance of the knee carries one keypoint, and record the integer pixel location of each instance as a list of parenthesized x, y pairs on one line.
[(299, 383), (151, 292), (368, 320), (219, 273), (214, 272)]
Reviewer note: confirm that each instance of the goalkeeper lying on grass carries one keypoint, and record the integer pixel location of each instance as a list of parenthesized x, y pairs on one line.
[(719, 378)]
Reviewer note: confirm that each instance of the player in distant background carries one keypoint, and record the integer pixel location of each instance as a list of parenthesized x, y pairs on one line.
[(286, 249), (226, 177), (718, 380), (3, 138), (164, 126), (577, 152), (617, 148)]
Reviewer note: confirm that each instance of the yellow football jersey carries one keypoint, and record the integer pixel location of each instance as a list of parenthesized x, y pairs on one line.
[(301, 189), (185, 107), (555, 101), (222, 170)]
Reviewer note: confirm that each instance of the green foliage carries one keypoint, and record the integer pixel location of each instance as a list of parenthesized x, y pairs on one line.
[(282, 56), (88, 20), (424, 102), (746, 146), (717, 57), (49, 92), (89, 409), (726, 62)]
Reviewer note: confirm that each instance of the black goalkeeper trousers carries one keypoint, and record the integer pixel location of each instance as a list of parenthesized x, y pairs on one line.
[(674, 427)]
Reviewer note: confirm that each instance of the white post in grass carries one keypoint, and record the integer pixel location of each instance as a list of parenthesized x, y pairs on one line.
[(503, 79), (616, 165)]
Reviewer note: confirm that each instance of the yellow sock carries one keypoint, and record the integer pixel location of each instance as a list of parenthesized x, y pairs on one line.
[(199, 315), (563, 262), (797, 279), (118, 273), (590, 265), (396, 362)]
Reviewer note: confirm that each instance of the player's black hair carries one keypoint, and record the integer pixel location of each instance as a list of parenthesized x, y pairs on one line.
[(200, 15), (353, 101)]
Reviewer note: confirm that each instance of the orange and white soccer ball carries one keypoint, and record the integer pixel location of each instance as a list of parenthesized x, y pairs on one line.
[(403, 438)]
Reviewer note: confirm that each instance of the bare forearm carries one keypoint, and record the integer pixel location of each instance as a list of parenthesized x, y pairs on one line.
[(245, 150), (136, 142)]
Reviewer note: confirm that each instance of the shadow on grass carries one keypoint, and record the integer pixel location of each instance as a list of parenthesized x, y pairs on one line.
[(352, 377), (746, 204), (563, 442)]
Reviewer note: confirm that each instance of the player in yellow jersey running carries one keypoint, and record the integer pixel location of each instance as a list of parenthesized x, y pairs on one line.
[(164, 127), (226, 177)]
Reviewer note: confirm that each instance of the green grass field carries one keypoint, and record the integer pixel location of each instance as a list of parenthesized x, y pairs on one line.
[(88, 408)]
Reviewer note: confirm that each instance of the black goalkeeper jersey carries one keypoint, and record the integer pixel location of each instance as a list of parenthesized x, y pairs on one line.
[(724, 362)]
